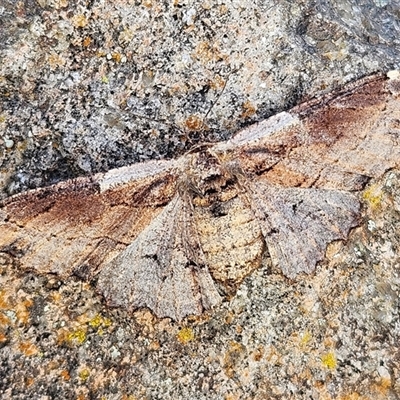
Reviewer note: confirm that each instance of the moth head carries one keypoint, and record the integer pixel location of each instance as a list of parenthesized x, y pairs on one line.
[(204, 178)]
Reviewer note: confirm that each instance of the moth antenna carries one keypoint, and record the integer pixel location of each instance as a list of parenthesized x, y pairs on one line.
[(213, 103), (220, 93)]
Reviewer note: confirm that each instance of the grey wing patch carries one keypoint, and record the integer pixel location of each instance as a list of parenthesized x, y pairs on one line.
[(298, 224), (157, 271)]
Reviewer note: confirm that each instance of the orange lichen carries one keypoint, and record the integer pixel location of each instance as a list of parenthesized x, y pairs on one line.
[(154, 345), (147, 3), (217, 83), (258, 353), (129, 397), (205, 52), (194, 123), (4, 301), (248, 110), (28, 348), (29, 381), (22, 311), (232, 356), (87, 41), (65, 375), (3, 338), (4, 320), (116, 57)]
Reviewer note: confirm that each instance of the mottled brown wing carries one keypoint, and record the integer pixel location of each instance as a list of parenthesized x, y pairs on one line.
[(161, 269), (298, 224), (334, 142), (79, 225), (299, 165)]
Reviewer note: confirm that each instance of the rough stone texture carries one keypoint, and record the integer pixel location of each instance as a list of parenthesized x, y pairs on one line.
[(330, 335), (75, 76), (85, 85)]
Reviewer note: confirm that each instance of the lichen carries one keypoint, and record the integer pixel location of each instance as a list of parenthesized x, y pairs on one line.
[(305, 339), (98, 321), (28, 348), (373, 196), (84, 374), (329, 360), (185, 335), (78, 336)]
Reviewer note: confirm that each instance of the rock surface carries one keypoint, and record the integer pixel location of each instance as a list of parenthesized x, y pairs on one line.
[(88, 86)]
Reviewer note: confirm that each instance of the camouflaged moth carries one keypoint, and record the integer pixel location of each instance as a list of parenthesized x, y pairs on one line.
[(177, 235)]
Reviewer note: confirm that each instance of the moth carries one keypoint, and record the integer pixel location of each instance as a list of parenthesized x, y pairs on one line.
[(176, 236)]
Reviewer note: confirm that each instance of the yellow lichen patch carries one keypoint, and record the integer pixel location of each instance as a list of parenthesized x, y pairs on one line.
[(71, 336), (373, 196), (185, 335), (78, 336), (99, 321), (28, 348), (104, 79), (84, 374), (328, 360)]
